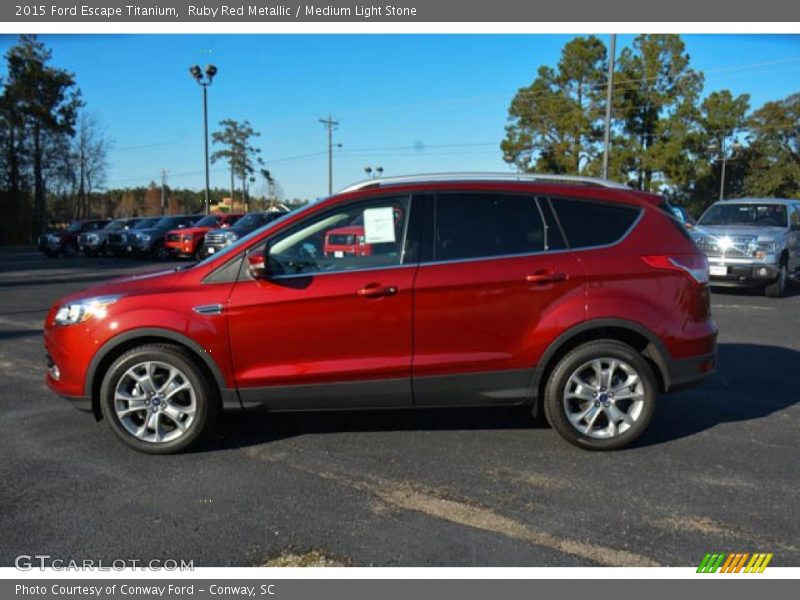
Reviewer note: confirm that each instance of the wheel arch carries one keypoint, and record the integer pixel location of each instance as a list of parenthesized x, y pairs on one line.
[(635, 335), (126, 341)]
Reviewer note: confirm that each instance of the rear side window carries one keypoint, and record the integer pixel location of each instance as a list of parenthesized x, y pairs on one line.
[(590, 223), (476, 225)]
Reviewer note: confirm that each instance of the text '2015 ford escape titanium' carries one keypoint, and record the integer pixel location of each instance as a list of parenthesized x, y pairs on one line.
[(581, 298)]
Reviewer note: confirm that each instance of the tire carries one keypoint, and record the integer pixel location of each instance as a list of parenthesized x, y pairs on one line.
[(70, 250), (625, 418), (779, 287), (198, 252), (160, 252), (146, 415)]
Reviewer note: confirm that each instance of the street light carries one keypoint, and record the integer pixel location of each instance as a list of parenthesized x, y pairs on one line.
[(719, 147), (370, 170), (204, 80)]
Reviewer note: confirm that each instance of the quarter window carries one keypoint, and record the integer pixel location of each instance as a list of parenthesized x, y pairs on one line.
[(365, 235), (476, 225), (590, 223)]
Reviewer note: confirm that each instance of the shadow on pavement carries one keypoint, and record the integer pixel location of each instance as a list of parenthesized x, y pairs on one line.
[(751, 383)]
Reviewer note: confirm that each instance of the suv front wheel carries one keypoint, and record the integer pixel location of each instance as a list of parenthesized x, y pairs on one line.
[(601, 395), (156, 399)]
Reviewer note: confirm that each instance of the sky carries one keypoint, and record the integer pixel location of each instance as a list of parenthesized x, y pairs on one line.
[(407, 103)]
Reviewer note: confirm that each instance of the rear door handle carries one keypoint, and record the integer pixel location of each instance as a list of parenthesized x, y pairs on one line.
[(376, 290), (546, 276)]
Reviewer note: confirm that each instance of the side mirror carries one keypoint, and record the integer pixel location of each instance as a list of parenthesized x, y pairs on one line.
[(257, 264)]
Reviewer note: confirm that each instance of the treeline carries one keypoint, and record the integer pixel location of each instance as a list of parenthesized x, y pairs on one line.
[(666, 136), (51, 147), (144, 201)]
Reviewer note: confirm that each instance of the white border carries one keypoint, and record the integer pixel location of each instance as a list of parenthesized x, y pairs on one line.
[(375, 27), (263, 573)]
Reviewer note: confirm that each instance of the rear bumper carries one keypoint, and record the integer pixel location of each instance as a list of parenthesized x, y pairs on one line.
[(688, 372)]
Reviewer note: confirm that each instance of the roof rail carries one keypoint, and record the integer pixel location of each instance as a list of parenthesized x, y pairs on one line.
[(481, 176)]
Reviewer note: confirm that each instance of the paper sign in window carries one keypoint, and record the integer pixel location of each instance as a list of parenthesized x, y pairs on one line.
[(379, 225)]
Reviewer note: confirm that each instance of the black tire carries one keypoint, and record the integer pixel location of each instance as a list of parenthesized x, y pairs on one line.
[(70, 250), (198, 252), (207, 404), (779, 287), (555, 391)]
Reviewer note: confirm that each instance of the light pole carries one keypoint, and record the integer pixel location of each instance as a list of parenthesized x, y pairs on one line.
[(714, 147), (330, 124), (204, 80), (378, 172)]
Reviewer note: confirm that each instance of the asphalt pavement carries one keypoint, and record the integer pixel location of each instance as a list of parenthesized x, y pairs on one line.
[(716, 471)]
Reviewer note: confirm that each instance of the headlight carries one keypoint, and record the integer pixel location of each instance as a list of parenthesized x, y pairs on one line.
[(231, 236), (764, 249), (144, 237), (92, 237), (81, 310), (55, 237)]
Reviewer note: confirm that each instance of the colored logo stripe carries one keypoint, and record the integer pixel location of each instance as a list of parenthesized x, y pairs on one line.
[(734, 562)]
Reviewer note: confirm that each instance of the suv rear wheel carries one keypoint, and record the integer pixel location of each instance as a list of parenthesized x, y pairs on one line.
[(601, 395), (157, 400)]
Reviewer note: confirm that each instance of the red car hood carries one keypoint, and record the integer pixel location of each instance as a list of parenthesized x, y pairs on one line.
[(137, 283), (192, 230)]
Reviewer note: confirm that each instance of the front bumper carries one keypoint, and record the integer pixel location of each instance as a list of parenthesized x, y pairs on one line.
[(741, 272), (90, 245), (181, 248), (213, 248)]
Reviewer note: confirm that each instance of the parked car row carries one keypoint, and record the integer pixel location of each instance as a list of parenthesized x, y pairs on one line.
[(180, 236)]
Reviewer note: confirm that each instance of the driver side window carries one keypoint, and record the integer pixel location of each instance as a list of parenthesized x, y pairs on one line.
[(363, 235)]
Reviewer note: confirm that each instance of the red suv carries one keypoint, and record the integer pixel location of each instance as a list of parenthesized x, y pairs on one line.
[(577, 297), (189, 240)]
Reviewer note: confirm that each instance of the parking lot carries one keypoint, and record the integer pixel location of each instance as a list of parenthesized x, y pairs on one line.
[(716, 471)]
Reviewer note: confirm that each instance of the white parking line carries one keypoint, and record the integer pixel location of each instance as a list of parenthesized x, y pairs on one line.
[(745, 306)]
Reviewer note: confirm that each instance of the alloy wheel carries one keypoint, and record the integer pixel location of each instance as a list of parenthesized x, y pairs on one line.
[(603, 398), (155, 402)]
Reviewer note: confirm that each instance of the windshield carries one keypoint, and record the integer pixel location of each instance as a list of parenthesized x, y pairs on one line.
[(146, 223), (751, 215), (115, 225), (168, 223), (251, 220), (208, 221), (75, 227)]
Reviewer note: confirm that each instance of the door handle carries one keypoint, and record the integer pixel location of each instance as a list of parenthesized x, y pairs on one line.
[(376, 290), (546, 276)]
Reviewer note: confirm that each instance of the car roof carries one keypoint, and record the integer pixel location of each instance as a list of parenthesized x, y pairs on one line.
[(785, 201), (482, 176)]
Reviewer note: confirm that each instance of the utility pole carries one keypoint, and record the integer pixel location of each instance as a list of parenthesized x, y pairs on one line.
[(163, 187), (330, 124), (609, 98)]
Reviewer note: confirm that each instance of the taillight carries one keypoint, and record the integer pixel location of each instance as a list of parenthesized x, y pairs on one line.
[(696, 265)]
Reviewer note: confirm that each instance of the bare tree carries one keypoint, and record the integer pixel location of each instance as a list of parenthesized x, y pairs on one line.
[(90, 158)]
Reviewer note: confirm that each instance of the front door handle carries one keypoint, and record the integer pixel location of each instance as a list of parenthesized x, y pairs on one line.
[(376, 290), (546, 276)]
